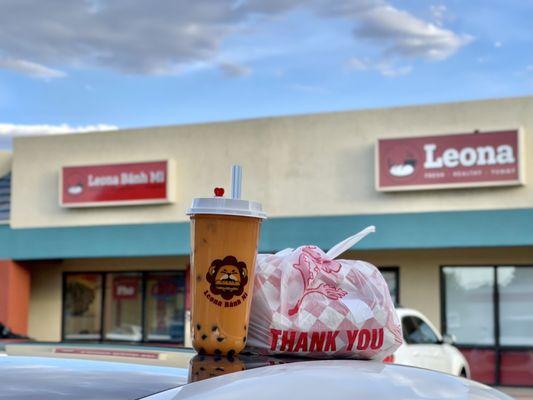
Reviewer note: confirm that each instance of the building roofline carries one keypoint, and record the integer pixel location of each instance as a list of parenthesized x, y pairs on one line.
[(266, 118)]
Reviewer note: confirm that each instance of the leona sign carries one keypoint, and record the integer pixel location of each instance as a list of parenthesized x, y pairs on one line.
[(117, 184), (449, 161)]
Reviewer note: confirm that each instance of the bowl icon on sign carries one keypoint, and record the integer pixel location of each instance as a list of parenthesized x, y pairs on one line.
[(75, 189), (405, 169)]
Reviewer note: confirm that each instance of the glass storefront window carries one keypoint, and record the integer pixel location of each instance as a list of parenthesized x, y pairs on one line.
[(133, 306), (82, 307), (515, 285), (123, 305), (165, 307), (469, 295)]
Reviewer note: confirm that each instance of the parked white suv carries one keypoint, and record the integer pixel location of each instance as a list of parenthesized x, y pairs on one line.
[(424, 347)]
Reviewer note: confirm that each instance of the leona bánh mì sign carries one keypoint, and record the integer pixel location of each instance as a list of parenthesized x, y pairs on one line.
[(148, 182), (450, 161)]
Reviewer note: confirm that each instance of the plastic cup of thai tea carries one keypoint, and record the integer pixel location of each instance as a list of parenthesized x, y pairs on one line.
[(224, 239)]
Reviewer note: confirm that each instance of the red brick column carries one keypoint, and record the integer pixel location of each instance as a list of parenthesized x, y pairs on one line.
[(14, 296)]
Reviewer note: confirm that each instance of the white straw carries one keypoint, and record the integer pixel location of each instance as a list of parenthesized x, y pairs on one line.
[(236, 181)]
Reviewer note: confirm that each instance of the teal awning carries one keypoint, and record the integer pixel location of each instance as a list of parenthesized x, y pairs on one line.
[(430, 230)]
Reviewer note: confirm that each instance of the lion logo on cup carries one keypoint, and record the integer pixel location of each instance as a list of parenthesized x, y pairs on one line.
[(227, 277)]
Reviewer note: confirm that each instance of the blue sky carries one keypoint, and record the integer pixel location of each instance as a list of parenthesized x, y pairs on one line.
[(68, 65)]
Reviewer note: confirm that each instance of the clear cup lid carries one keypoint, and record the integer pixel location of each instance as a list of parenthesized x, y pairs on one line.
[(226, 206)]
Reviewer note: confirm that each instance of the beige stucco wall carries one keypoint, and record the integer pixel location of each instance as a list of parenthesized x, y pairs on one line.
[(5, 162), (47, 280), (419, 278), (319, 164)]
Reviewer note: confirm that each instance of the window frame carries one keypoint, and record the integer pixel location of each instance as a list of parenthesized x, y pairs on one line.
[(497, 347), (396, 271), (103, 274)]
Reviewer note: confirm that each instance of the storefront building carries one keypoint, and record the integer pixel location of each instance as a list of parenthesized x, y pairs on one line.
[(94, 240)]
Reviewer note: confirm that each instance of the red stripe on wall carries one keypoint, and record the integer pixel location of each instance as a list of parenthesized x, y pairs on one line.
[(516, 368), (482, 364)]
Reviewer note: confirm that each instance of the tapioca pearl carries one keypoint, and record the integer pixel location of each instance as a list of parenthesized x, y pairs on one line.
[(218, 352), (220, 339), (201, 351), (231, 353), (214, 328), (202, 369), (244, 339), (219, 369), (204, 336), (198, 327), (218, 358)]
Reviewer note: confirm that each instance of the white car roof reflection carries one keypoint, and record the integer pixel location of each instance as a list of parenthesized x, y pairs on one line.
[(334, 379)]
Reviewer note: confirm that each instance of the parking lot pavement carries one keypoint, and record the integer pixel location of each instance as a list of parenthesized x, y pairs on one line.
[(518, 393)]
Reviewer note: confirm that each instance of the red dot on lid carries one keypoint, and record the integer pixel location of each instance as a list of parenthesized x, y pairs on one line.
[(219, 192)]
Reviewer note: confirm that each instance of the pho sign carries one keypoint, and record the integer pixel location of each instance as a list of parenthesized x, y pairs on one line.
[(450, 161), (125, 288), (117, 184)]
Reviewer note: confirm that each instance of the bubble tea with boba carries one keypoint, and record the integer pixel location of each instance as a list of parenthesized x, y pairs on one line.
[(224, 239)]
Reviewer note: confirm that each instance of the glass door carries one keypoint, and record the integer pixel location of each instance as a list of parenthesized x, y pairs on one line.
[(469, 316), (515, 292)]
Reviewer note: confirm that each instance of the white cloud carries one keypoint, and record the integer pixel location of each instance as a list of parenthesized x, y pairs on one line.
[(24, 130), (393, 71), (168, 37), (404, 35), (438, 12), (30, 68), (385, 68)]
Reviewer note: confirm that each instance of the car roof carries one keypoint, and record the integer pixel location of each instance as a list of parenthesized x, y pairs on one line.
[(337, 379), (59, 378), (241, 377), (402, 311)]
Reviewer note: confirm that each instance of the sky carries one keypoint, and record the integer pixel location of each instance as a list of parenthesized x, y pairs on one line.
[(84, 65)]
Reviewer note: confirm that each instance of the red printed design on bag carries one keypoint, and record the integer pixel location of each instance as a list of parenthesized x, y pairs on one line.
[(310, 264)]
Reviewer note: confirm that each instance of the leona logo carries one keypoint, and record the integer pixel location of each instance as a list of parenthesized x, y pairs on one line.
[(227, 278), (403, 161), (446, 161), (75, 185)]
